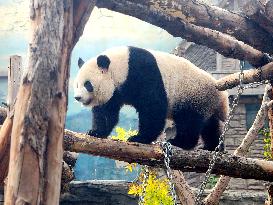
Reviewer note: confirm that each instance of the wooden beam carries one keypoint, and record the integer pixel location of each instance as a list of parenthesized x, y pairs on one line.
[(269, 9), (250, 76), (169, 14), (14, 78), (5, 133), (255, 10), (197, 161)]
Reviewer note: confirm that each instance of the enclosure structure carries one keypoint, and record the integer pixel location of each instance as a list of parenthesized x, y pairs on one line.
[(38, 122)]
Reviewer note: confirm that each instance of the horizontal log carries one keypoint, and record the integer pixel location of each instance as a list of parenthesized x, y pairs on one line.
[(250, 76), (255, 10), (161, 13), (269, 9), (224, 44), (152, 155)]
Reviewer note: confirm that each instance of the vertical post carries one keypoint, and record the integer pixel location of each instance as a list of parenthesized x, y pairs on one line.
[(14, 77), (36, 149), (270, 117)]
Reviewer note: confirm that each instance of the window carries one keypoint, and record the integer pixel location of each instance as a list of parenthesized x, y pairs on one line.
[(251, 112), (246, 65)]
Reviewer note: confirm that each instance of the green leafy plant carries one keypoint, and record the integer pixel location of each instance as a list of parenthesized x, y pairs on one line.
[(212, 181), (267, 141), (157, 190)]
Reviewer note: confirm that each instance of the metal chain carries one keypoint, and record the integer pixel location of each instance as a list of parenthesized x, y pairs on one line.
[(218, 149), (145, 172), (167, 147), (167, 151)]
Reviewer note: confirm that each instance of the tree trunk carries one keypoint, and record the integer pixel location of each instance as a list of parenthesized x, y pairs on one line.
[(36, 141), (152, 155)]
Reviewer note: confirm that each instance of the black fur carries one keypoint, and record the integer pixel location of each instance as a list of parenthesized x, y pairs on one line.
[(80, 62), (88, 86), (144, 89), (103, 62)]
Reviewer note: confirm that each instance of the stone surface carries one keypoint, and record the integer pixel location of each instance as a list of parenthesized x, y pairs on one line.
[(105, 192), (115, 192)]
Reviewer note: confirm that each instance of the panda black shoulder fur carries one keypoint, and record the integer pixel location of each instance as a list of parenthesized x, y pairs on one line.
[(160, 86)]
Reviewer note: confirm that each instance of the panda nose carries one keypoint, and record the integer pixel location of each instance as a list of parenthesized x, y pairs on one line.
[(78, 98)]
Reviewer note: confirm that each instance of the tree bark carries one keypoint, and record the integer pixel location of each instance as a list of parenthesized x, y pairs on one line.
[(182, 188), (214, 197), (3, 115), (269, 9), (255, 10), (170, 14), (36, 141), (224, 44), (152, 155), (250, 76), (5, 133)]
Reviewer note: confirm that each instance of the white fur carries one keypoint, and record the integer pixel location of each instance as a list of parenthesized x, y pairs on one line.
[(104, 83), (183, 82)]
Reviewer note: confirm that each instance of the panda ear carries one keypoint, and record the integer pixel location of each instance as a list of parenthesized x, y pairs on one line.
[(80, 62), (103, 62)]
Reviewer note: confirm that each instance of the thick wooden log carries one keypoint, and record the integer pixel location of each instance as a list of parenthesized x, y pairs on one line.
[(169, 14), (269, 9), (255, 10), (224, 44), (250, 76), (37, 133), (5, 133), (70, 158), (67, 176), (3, 115), (14, 78), (197, 161)]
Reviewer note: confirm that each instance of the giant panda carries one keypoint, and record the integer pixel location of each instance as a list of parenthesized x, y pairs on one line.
[(159, 86)]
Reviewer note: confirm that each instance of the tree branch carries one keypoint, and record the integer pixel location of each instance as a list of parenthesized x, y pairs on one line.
[(255, 10), (197, 161), (269, 9), (250, 76), (5, 133), (224, 44), (220, 187), (172, 14)]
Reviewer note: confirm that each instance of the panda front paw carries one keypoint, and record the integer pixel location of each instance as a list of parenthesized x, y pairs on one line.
[(93, 133)]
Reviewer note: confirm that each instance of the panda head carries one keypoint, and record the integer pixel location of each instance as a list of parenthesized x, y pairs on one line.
[(94, 84)]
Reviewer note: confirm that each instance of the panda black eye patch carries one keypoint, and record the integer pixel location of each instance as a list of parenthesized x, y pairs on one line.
[(88, 86)]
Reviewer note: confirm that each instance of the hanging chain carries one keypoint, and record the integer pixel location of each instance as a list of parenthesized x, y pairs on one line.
[(145, 172), (220, 146), (167, 151), (167, 147)]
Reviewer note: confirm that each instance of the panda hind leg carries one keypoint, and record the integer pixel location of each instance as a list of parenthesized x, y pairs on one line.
[(151, 124), (211, 133), (188, 128)]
